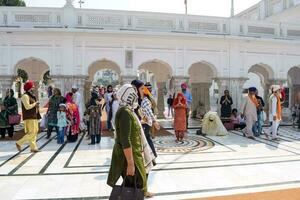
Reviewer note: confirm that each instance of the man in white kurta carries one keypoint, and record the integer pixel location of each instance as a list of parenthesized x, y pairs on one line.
[(249, 110), (274, 112), (78, 100)]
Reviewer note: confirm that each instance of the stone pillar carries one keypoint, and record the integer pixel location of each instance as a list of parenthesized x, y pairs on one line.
[(127, 79), (200, 94), (160, 99), (236, 91), (87, 90), (5, 83), (65, 83)]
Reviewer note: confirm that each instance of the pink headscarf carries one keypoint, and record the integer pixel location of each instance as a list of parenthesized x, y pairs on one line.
[(73, 113)]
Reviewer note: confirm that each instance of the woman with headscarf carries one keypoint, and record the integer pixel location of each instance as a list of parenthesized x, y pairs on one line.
[(94, 113), (55, 100), (180, 116), (132, 156), (11, 108), (73, 118)]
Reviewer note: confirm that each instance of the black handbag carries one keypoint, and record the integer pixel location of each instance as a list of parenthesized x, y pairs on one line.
[(120, 192)]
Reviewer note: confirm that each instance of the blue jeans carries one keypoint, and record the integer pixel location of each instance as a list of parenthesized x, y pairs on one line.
[(257, 127), (61, 135)]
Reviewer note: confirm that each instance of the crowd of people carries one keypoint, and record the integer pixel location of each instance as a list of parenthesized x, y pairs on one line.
[(131, 115)]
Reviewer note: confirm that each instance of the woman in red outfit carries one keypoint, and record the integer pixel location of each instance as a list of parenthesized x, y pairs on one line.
[(180, 116)]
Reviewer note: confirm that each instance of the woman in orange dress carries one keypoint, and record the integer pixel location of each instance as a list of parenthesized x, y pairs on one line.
[(180, 116)]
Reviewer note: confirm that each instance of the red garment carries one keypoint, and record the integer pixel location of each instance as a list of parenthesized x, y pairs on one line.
[(72, 114), (180, 114), (28, 85)]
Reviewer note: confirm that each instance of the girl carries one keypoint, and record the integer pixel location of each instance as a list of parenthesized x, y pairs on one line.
[(61, 123), (180, 117)]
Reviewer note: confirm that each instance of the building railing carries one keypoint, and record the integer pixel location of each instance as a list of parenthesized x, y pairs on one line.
[(30, 17)]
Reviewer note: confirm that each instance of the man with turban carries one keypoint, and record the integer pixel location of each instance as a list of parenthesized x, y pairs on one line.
[(132, 157), (31, 116), (249, 110), (275, 113)]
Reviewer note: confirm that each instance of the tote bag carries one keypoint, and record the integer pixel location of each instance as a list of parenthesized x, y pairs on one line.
[(120, 192), (14, 119)]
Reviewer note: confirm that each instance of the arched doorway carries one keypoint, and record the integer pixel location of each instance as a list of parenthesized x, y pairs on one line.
[(202, 76), (294, 86), (158, 73), (265, 75), (102, 73), (36, 70)]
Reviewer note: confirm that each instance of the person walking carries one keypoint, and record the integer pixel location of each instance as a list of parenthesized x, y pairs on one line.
[(108, 98), (147, 116), (170, 106), (275, 112), (226, 102), (94, 113), (31, 116), (179, 119), (55, 100), (249, 110), (260, 112), (131, 156), (11, 108), (61, 123)]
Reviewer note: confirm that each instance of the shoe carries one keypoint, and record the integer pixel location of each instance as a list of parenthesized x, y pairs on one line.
[(35, 151), (276, 139), (267, 136), (18, 147), (251, 137)]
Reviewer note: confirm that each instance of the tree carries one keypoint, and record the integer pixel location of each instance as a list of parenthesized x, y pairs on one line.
[(23, 75), (12, 3)]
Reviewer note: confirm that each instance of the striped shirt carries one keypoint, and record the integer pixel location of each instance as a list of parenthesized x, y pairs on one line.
[(147, 110)]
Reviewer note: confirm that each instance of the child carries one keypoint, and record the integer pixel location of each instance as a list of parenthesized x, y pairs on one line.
[(236, 120), (61, 123)]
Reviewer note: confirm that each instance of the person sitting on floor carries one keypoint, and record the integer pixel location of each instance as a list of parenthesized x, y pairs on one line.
[(212, 125)]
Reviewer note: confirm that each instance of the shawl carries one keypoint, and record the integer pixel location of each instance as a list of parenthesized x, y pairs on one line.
[(148, 155)]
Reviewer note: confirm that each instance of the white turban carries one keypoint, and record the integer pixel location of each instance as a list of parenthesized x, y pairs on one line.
[(275, 88), (75, 86), (127, 95)]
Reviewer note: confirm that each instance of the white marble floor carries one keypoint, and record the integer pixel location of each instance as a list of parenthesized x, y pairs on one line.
[(229, 165)]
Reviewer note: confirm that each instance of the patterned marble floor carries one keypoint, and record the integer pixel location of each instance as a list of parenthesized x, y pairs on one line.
[(198, 167)]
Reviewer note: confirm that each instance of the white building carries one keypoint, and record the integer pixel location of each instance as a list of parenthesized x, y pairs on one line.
[(76, 43)]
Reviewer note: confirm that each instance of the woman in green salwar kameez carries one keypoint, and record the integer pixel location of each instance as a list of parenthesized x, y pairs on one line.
[(127, 157)]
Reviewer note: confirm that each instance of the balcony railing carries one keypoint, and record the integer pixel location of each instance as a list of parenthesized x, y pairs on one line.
[(30, 17)]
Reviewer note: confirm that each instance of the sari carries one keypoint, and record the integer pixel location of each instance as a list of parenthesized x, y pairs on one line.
[(73, 116)]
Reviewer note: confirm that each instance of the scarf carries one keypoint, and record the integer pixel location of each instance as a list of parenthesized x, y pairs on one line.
[(279, 112), (254, 100), (148, 155)]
